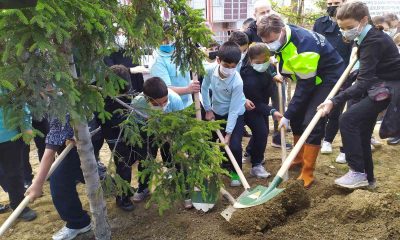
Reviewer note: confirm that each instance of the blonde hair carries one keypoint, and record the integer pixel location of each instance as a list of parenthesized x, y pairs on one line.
[(396, 39)]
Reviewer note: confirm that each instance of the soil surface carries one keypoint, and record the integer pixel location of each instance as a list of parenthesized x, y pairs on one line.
[(322, 212)]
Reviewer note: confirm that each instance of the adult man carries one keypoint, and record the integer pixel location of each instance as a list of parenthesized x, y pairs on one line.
[(261, 8), (328, 27)]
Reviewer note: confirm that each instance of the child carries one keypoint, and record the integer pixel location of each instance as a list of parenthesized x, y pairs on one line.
[(227, 100), (241, 39), (258, 87)]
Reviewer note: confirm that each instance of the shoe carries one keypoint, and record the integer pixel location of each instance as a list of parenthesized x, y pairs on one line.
[(352, 180), (393, 141), (326, 147), (246, 158), (69, 234), (373, 148), (188, 204), (341, 158), (372, 185), (125, 203), (298, 160), (259, 172), (27, 215), (4, 208), (375, 143), (235, 180), (276, 142), (141, 196), (310, 157)]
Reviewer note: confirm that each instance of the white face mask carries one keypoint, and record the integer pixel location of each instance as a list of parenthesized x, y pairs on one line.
[(227, 72), (120, 40), (351, 34), (262, 67), (392, 31), (275, 45), (159, 108)]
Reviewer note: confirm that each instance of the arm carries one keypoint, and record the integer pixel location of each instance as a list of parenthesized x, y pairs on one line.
[(235, 107), (205, 91)]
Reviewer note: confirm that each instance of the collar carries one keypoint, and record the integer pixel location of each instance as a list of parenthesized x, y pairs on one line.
[(363, 33), (216, 74), (326, 19)]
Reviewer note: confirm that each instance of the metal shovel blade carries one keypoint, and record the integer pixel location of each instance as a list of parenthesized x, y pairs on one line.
[(227, 213), (207, 202)]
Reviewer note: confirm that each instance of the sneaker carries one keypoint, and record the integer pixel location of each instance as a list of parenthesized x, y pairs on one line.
[(124, 203), (259, 172), (69, 234), (372, 185), (246, 158), (375, 142), (393, 141), (276, 142), (4, 208), (326, 147), (188, 204), (341, 158), (235, 180), (27, 215), (141, 196), (352, 180)]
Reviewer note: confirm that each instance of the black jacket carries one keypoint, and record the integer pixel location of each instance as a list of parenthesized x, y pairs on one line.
[(257, 87), (379, 62), (328, 28), (252, 33)]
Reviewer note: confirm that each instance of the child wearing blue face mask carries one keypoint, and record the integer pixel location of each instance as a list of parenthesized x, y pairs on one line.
[(165, 68), (258, 87), (227, 101)]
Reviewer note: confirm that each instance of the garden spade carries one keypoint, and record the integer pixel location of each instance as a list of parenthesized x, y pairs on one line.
[(264, 195)]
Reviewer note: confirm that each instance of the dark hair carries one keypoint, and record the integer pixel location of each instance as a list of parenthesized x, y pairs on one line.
[(257, 49), (123, 72), (390, 17), (378, 22), (229, 52), (248, 21), (155, 88), (352, 10), (270, 24), (239, 37)]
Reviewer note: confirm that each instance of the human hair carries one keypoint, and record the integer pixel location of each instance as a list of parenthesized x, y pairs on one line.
[(352, 10), (378, 22), (396, 39), (248, 21), (270, 24), (261, 3), (390, 17), (257, 49), (229, 52), (123, 72), (240, 38), (155, 88)]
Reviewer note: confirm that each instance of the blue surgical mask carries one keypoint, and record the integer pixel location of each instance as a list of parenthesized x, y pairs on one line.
[(168, 48), (261, 67), (274, 46)]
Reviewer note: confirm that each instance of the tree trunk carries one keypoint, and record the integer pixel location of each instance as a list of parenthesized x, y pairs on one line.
[(89, 168)]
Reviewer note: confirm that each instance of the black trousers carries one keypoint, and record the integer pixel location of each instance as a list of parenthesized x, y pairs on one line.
[(300, 122), (332, 126), (258, 124), (11, 163), (356, 127)]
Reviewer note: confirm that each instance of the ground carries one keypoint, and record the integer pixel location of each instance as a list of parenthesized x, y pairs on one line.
[(334, 213)]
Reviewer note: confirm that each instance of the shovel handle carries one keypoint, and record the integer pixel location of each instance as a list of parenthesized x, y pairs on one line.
[(227, 196), (282, 131), (317, 116), (197, 100)]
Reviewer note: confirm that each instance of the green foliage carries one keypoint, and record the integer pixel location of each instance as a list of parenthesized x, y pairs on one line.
[(195, 157)]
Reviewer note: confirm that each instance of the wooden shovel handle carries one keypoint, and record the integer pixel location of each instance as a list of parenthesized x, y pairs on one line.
[(197, 100)]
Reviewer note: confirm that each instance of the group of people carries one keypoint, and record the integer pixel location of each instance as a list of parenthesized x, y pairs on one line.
[(240, 79)]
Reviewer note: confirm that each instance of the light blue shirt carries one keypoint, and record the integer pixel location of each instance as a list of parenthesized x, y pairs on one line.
[(359, 40), (174, 102), (166, 69), (227, 95)]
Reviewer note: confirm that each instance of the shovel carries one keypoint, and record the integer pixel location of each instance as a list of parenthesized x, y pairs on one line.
[(283, 130), (272, 190)]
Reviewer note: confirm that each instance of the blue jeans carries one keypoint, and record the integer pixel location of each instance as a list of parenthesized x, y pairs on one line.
[(63, 191)]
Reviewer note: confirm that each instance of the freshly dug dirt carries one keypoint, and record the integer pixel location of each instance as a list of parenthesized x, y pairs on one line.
[(272, 213)]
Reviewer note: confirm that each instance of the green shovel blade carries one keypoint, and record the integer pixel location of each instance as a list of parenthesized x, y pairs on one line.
[(259, 195), (211, 197)]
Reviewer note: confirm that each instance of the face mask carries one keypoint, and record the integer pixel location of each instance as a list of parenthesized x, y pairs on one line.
[(167, 48), (351, 34), (274, 46), (261, 67), (120, 40), (243, 56), (398, 48), (387, 32), (227, 72), (165, 106), (392, 31), (331, 10)]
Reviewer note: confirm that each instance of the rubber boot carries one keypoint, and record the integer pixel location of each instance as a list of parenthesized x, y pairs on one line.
[(298, 161), (310, 156)]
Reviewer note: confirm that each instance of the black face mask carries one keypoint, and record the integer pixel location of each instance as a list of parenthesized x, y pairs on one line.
[(331, 10)]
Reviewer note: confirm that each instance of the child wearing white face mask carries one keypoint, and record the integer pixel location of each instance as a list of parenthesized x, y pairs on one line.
[(258, 87), (227, 101), (241, 39)]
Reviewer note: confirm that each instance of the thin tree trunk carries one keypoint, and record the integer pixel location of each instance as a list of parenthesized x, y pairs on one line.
[(89, 168)]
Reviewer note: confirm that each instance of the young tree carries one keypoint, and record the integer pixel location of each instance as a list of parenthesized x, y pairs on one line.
[(42, 47)]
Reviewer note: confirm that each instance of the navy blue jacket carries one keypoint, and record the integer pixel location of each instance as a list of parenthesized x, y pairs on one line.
[(252, 33)]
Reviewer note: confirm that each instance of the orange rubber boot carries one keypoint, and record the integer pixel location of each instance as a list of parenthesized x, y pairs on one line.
[(298, 160), (310, 157)]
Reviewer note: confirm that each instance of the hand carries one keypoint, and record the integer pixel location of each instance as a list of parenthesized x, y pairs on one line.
[(68, 141), (277, 116), (249, 105), (227, 139), (326, 107), (139, 69), (34, 192), (194, 87), (210, 116), (278, 78), (283, 123)]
